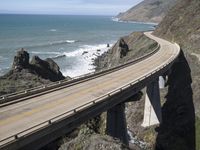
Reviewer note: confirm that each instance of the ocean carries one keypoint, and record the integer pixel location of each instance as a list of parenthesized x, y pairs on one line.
[(71, 41)]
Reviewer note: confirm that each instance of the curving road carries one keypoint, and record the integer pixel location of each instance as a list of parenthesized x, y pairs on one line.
[(23, 115)]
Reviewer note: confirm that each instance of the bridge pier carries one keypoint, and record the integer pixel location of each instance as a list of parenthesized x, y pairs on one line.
[(152, 110), (116, 123)]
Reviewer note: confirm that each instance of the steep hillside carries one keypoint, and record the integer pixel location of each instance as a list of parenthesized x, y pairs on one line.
[(127, 48), (148, 11), (182, 25)]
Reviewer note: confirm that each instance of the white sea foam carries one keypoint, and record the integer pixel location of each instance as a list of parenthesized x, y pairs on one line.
[(84, 56), (53, 30), (45, 53), (71, 41), (135, 140), (63, 42), (115, 19)]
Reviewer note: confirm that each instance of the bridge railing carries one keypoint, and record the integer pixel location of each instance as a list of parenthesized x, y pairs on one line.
[(67, 114), (33, 92)]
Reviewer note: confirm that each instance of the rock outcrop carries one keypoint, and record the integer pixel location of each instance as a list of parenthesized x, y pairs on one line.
[(127, 48), (21, 60), (123, 48), (24, 75), (177, 131), (148, 11), (47, 69)]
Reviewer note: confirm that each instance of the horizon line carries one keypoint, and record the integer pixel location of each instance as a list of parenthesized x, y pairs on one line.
[(57, 14)]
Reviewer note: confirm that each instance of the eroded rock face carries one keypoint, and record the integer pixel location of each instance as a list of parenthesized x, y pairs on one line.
[(123, 48), (177, 131), (128, 48), (24, 75), (21, 60), (47, 69)]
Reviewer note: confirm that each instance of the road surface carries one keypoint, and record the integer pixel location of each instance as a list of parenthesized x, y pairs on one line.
[(23, 115)]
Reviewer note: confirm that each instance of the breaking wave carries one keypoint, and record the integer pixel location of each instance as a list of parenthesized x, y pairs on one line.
[(52, 43), (84, 57), (81, 59)]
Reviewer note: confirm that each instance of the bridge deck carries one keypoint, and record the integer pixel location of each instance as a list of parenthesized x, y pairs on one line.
[(20, 116)]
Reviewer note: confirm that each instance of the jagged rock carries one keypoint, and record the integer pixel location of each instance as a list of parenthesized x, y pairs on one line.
[(93, 142), (53, 66), (24, 75), (21, 60), (123, 48), (136, 45), (47, 69), (85, 52)]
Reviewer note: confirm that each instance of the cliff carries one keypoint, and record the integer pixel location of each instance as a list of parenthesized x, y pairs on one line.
[(147, 11), (182, 25)]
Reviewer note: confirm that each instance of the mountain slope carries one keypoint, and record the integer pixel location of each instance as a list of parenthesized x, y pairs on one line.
[(148, 11), (182, 25)]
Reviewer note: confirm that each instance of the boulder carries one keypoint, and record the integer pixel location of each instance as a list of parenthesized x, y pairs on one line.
[(85, 52), (21, 60), (47, 69)]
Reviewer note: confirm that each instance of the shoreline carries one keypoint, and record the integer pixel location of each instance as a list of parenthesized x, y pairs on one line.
[(115, 19)]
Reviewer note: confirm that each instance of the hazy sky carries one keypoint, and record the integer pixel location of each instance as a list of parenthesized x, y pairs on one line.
[(76, 7)]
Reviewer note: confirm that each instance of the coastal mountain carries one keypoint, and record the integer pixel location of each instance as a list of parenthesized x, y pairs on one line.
[(147, 11), (182, 25)]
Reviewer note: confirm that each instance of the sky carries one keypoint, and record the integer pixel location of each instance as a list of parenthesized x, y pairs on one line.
[(70, 7)]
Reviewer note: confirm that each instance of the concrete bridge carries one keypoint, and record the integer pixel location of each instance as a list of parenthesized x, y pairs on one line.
[(33, 118)]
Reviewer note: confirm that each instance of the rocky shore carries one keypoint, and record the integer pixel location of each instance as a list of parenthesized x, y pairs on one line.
[(26, 74)]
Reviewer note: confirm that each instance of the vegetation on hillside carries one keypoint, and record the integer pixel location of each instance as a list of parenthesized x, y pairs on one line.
[(148, 11)]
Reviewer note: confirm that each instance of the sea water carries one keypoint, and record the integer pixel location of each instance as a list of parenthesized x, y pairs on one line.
[(71, 41)]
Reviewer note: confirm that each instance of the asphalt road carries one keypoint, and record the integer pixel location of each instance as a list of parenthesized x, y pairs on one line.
[(20, 116)]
